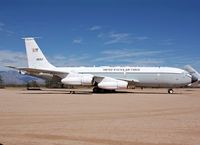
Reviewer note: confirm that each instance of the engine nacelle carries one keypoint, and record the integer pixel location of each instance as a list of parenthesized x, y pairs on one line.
[(113, 85), (77, 80)]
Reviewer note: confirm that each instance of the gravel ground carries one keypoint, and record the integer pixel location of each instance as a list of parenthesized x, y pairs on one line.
[(134, 117)]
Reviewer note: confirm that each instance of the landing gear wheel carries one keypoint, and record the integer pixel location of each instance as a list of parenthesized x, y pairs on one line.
[(95, 90), (170, 91), (99, 90)]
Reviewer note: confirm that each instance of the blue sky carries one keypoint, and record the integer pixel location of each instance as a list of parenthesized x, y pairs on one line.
[(102, 32)]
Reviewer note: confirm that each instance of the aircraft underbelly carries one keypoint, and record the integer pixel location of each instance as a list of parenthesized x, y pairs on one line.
[(149, 79)]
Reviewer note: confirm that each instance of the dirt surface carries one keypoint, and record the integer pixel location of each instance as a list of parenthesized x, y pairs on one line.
[(55, 117)]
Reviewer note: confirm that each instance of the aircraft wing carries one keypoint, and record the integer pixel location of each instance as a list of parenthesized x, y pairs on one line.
[(35, 70), (62, 74), (130, 81)]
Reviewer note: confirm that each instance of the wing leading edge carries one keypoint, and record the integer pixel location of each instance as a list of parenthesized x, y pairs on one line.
[(35, 70)]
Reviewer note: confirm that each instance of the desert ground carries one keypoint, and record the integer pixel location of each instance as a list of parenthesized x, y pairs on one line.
[(134, 117)]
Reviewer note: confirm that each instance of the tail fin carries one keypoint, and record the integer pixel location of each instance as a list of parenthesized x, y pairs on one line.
[(192, 71), (36, 58)]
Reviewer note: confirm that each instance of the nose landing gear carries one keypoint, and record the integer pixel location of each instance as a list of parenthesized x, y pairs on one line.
[(170, 91)]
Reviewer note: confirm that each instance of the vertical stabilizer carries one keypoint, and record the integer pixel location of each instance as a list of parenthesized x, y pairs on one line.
[(192, 71), (36, 58)]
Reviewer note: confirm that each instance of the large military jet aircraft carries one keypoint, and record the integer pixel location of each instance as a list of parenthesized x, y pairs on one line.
[(105, 77)]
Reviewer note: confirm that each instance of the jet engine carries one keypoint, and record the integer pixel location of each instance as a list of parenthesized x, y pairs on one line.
[(112, 85), (78, 80)]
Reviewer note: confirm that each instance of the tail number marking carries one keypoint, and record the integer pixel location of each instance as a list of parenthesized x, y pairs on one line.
[(39, 59), (35, 49)]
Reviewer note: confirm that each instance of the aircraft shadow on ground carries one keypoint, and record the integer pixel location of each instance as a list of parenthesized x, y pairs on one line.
[(59, 92), (155, 93), (90, 92)]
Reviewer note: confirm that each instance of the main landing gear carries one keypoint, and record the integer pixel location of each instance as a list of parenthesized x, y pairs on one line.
[(99, 90), (170, 91)]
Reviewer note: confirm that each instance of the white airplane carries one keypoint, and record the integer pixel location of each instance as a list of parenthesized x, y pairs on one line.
[(105, 77)]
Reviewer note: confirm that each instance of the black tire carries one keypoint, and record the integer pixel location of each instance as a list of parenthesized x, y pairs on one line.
[(95, 90), (170, 91), (99, 90)]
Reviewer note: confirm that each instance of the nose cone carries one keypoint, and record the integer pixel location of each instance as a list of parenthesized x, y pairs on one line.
[(194, 79)]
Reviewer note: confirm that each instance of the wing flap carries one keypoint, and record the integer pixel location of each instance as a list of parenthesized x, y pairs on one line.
[(130, 81)]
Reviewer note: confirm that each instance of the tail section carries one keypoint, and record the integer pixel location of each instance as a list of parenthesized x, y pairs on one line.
[(36, 58), (192, 72)]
